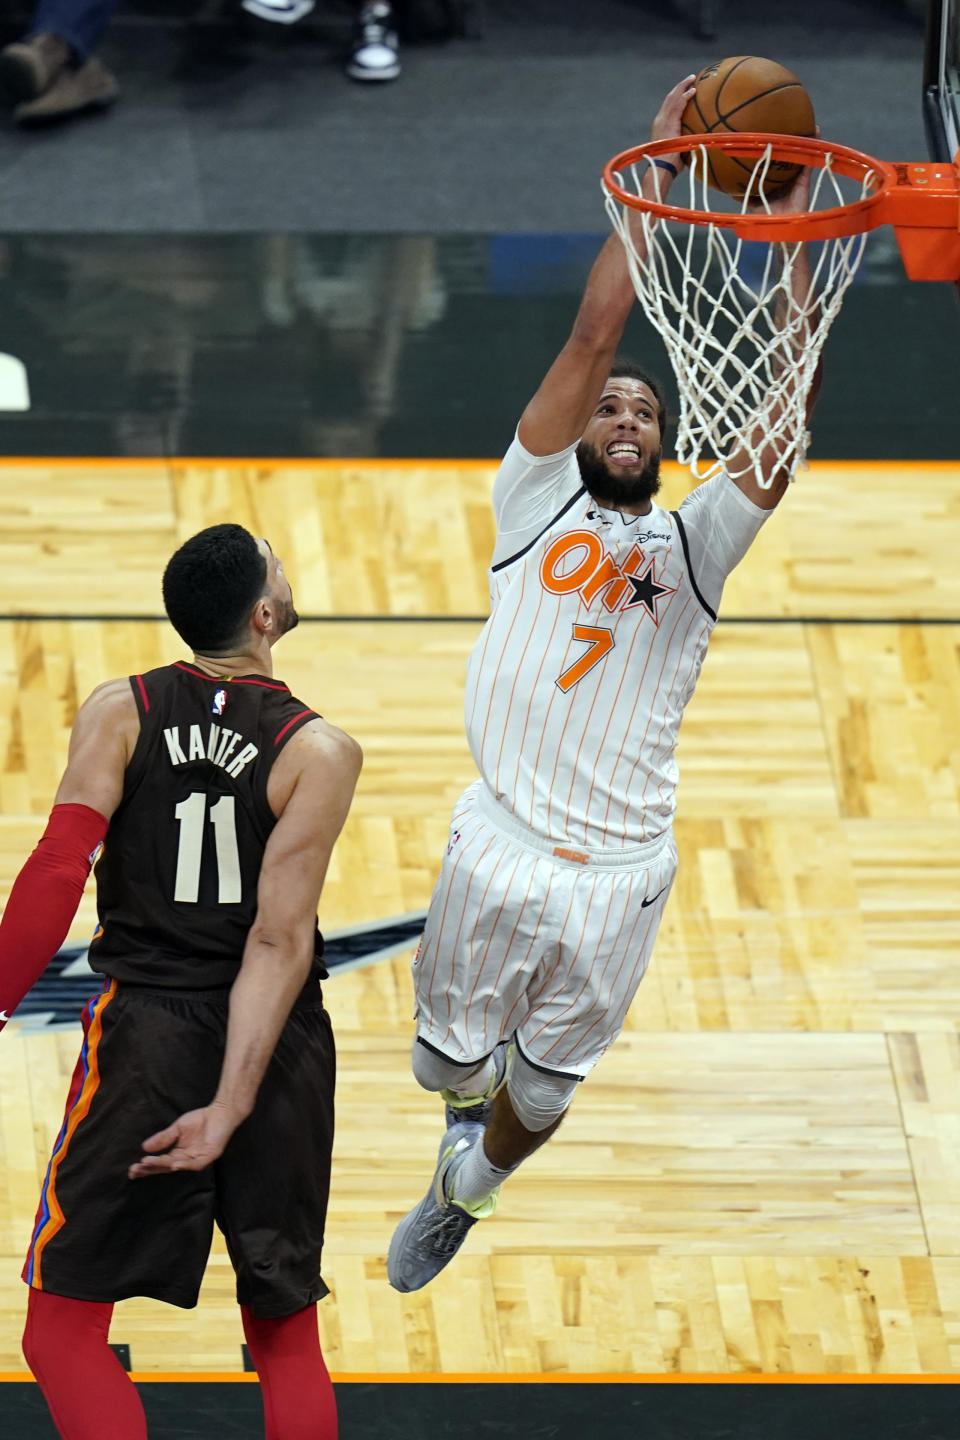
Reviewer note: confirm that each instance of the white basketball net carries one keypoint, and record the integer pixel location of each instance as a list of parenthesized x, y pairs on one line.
[(743, 340)]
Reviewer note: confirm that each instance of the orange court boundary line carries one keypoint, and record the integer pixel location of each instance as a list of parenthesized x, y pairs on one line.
[(233, 1377), (373, 461), (230, 462)]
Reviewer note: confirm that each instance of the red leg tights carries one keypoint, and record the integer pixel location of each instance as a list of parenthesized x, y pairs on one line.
[(298, 1400), (90, 1395)]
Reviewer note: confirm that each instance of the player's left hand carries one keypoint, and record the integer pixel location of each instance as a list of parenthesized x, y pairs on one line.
[(191, 1143)]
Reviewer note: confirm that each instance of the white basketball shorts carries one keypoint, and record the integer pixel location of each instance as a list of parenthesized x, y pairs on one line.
[(535, 941)]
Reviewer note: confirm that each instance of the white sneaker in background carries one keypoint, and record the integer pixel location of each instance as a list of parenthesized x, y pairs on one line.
[(374, 51), (282, 12)]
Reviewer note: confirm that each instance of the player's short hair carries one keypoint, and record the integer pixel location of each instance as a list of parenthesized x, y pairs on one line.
[(210, 586), (624, 368)]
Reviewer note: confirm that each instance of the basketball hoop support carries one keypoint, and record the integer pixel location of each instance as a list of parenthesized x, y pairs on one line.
[(923, 206)]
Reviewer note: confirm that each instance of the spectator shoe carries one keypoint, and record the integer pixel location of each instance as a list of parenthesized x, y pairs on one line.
[(89, 86), (281, 12), (373, 54), (30, 67)]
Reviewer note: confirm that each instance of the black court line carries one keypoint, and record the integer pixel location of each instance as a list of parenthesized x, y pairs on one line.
[(481, 619), (698, 1411)]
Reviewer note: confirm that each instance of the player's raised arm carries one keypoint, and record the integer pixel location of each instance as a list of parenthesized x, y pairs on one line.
[(319, 770), (47, 891), (765, 480), (559, 411)]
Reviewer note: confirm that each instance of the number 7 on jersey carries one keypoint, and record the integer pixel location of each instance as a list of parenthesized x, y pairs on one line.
[(599, 641)]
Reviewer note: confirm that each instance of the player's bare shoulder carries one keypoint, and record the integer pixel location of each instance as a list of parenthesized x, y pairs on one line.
[(321, 744), (102, 740), (319, 757), (107, 717), (110, 701)]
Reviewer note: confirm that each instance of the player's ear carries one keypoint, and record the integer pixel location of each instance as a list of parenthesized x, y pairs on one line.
[(261, 617)]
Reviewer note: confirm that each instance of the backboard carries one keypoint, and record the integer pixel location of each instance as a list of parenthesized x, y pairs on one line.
[(941, 79)]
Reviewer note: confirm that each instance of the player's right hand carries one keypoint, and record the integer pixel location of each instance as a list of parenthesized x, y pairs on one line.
[(794, 200), (191, 1143), (666, 123)]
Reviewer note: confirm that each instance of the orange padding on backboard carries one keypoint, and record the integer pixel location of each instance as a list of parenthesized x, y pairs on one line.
[(923, 206)]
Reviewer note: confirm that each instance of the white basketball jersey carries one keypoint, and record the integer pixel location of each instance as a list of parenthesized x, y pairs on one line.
[(598, 627)]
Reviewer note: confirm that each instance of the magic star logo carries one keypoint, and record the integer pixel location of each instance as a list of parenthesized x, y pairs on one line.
[(578, 561)]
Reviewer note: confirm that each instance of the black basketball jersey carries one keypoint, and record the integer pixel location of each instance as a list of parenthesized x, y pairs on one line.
[(177, 878)]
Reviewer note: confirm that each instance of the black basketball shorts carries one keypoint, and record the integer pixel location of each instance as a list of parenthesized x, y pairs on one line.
[(149, 1056)]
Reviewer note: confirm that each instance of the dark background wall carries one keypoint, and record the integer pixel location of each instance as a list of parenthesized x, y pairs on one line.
[(386, 345), (251, 255)]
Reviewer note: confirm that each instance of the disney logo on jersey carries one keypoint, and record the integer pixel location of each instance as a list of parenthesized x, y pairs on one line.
[(578, 561), (642, 537), (219, 702)]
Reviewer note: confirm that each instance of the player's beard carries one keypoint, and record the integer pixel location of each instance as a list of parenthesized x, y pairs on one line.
[(612, 490), (288, 619)]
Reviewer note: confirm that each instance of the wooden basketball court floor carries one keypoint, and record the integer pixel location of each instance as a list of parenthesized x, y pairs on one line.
[(763, 1175)]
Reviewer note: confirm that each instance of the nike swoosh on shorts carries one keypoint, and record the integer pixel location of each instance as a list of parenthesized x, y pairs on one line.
[(645, 903)]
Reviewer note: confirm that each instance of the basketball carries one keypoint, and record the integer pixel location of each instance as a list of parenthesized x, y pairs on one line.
[(748, 93)]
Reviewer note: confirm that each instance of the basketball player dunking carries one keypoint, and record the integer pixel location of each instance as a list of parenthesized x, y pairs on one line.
[(204, 1087), (561, 857)]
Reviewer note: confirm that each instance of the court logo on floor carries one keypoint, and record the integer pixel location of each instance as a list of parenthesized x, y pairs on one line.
[(57, 999)]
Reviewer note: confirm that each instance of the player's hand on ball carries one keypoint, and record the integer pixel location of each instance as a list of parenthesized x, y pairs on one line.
[(794, 200), (666, 124), (191, 1143)]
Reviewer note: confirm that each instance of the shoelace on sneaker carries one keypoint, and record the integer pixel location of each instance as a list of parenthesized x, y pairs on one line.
[(474, 1113), (376, 26), (375, 32), (445, 1235)]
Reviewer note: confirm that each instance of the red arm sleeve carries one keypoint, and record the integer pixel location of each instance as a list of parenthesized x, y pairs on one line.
[(44, 899)]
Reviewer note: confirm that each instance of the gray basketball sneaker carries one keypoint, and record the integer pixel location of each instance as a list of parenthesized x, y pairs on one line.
[(427, 1239), (475, 1109)]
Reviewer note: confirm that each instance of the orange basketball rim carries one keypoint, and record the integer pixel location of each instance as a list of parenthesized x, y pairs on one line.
[(921, 200)]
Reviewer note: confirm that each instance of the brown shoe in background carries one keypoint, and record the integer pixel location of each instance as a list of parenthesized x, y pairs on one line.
[(29, 67), (90, 87)]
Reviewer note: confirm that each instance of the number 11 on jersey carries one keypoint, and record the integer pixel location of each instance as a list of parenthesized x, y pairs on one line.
[(191, 813)]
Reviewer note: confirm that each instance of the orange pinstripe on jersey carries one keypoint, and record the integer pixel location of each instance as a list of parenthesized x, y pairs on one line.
[(510, 1019), (507, 952), (443, 916), (496, 919), (484, 893), (574, 696), (586, 639)]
